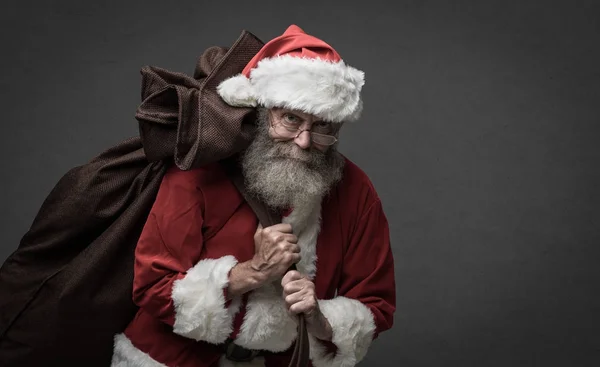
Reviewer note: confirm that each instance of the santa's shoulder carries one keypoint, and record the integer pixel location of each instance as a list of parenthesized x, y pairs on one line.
[(195, 179), (356, 184)]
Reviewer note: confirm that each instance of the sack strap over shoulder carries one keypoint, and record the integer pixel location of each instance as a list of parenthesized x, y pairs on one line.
[(267, 218)]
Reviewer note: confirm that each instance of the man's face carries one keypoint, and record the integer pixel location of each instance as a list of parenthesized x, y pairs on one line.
[(288, 165), (304, 129)]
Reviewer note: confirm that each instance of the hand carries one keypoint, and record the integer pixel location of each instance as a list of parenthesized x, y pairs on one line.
[(276, 249), (300, 297)]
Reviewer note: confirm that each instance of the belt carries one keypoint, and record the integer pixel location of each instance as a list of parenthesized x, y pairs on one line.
[(236, 353)]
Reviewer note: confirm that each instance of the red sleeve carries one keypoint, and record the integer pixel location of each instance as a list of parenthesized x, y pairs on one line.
[(366, 299), (171, 281), (368, 267), (170, 244)]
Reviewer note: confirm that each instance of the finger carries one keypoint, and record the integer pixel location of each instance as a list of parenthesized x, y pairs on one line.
[(291, 299), (289, 258), (290, 276), (289, 247), (292, 247), (305, 284), (295, 257), (291, 238), (281, 227), (293, 286), (307, 306), (283, 238)]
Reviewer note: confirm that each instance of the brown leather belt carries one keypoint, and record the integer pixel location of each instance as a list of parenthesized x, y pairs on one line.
[(236, 353)]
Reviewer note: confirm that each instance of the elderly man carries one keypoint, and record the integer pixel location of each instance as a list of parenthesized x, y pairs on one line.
[(208, 276)]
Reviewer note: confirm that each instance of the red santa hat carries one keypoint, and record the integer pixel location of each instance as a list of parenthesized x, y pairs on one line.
[(299, 72)]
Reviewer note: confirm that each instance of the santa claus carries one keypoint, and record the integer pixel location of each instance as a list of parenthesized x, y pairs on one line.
[(213, 286)]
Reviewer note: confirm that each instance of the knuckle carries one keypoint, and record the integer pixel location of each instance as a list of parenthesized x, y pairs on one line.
[(288, 300), (284, 281), (282, 249)]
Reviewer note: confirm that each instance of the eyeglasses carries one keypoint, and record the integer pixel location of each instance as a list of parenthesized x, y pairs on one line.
[(284, 128)]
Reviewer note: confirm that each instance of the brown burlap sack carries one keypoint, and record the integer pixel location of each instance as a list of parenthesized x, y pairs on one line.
[(66, 290)]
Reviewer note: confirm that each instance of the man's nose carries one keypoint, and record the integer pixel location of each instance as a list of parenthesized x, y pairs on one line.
[(303, 140)]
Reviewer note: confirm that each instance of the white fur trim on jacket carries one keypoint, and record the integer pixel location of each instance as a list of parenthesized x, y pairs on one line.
[(306, 224), (353, 326), (330, 90), (267, 324), (125, 354), (200, 311)]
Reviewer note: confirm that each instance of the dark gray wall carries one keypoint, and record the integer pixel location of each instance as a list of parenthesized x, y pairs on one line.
[(480, 133)]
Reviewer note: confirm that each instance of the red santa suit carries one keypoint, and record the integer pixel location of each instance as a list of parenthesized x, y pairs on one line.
[(181, 276), (200, 227)]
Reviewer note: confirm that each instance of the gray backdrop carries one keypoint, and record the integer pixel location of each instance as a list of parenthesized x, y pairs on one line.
[(480, 133)]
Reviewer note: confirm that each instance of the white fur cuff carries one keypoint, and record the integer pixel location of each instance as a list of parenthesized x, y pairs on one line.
[(200, 311), (125, 354), (353, 326)]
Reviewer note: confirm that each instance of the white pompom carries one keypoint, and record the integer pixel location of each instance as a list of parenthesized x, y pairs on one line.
[(237, 91)]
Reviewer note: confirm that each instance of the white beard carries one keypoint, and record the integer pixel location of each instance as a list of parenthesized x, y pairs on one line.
[(284, 175)]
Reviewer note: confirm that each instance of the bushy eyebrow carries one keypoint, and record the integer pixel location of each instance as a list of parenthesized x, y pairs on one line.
[(288, 112), (283, 111)]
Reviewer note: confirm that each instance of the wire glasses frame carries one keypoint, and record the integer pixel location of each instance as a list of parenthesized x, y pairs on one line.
[(292, 132)]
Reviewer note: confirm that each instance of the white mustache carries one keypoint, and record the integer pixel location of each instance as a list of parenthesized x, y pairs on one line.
[(287, 150)]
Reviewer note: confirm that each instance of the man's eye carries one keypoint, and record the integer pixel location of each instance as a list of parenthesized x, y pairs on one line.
[(323, 127), (291, 118)]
